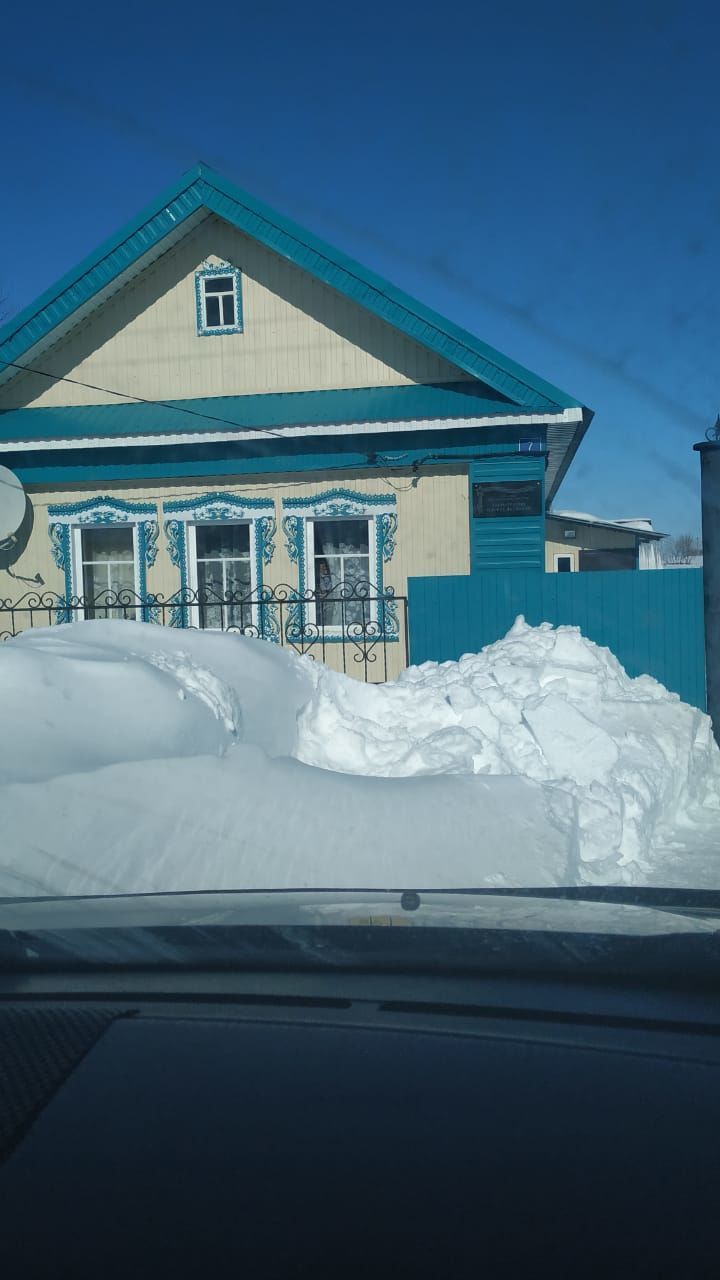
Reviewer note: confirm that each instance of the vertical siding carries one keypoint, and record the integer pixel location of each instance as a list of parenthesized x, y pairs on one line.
[(299, 335), (652, 622), (432, 533)]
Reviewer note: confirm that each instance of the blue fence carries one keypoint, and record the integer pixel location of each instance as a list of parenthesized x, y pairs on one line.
[(652, 620)]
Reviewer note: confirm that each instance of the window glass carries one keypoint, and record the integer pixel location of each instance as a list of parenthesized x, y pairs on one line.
[(108, 565), (564, 564), (219, 297), (222, 540), (223, 575), (611, 558), (219, 284), (212, 311), (341, 564)]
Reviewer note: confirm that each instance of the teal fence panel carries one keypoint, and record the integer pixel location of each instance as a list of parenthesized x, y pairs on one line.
[(652, 620)]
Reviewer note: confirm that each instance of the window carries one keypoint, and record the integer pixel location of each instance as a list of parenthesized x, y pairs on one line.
[(341, 540), (609, 558), (107, 560), (222, 559), (221, 543), (104, 546), (218, 300), (564, 564), (219, 294), (340, 556)]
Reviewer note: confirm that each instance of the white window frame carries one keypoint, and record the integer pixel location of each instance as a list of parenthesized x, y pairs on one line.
[(77, 531), (220, 294), (191, 528), (212, 273), (309, 532), (66, 522), (343, 504), (564, 555)]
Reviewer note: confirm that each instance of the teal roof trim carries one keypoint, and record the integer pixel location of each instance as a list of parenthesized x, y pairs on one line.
[(98, 270), (297, 408), (203, 188), (87, 465)]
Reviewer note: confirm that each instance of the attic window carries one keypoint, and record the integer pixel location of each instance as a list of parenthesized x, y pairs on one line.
[(218, 300)]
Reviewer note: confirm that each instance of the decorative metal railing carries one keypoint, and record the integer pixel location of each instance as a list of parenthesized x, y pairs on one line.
[(354, 626)]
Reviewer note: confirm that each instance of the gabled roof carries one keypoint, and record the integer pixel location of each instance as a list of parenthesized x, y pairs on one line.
[(201, 192)]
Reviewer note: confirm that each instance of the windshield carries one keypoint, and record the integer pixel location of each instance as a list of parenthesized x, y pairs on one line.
[(352, 535)]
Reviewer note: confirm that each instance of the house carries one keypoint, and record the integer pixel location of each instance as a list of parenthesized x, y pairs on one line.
[(576, 541), (231, 423)]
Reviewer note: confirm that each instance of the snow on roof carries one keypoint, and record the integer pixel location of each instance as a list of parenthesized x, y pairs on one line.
[(638, 524)]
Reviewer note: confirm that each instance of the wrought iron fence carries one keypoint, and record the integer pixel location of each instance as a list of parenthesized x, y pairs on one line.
[(355, 627)]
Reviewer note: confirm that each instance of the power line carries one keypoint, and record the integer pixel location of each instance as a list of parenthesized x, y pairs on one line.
[(124, 395), (233, 483), (165, 404)]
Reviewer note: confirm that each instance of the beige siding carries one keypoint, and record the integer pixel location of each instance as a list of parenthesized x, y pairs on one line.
[(587, 538), (432, 535), (299, 335)]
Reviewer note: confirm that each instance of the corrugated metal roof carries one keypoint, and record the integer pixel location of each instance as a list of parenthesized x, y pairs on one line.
[(201, 187), (412, 403), (622, 526), (86, 427)]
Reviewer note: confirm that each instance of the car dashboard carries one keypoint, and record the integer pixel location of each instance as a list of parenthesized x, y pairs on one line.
[(305, 1121)]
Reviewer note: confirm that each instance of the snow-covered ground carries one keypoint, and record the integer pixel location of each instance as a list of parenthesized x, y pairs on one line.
[(136, 758)]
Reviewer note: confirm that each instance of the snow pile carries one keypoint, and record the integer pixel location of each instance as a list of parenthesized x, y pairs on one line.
[(545, 704), (75, 698), (136, 758)]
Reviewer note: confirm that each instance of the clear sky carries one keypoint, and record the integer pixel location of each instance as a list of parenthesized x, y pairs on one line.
[(547, 175)]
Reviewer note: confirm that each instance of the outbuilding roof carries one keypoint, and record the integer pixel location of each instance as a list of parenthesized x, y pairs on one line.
[(641, 526)]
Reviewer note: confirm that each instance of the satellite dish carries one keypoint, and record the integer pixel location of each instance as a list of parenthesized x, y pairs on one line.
[(12, 507)]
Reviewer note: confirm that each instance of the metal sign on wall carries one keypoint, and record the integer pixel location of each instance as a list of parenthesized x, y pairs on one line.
[(507, 499)]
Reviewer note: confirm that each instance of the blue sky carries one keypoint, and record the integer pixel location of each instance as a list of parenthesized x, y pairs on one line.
[(546, 175)]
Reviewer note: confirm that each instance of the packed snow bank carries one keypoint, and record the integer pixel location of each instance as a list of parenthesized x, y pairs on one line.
[(137, 758), (75, 698), (542, 703), (245, 821)]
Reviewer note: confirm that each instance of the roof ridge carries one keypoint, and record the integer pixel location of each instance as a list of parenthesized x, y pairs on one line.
[(408, 301), (202, 186)]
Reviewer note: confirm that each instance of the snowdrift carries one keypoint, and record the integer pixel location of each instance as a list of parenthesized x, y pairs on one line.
[(136, 758)]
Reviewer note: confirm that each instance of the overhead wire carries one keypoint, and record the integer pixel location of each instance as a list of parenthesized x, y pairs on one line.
[(241, 481), (168, 404), (140, 400)]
